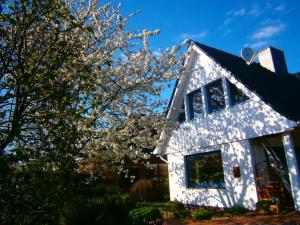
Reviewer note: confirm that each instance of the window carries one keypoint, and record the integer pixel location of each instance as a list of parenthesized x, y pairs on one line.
[(236, 95), (215, 95), (195, 104), (181, 115), (205, 170)]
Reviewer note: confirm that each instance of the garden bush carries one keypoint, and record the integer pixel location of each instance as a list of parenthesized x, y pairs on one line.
[(178, 209), (263, 206), (108, 210), (143, 215), (181, 213), (175, 204), (236, 210), (31, 196), (202, 214), (141, 190)]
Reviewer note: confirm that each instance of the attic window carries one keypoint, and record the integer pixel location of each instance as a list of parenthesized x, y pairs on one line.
[(236, 95), (181, 114), (205, 170), (195, 104), (215, 94)]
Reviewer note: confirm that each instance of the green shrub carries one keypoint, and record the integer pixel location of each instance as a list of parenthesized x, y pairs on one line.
[(33, 196), (142, 216), (263, 206), (202, 214), (236, 210), (178, 209), (108, 210), (182, 213), (174, 205)]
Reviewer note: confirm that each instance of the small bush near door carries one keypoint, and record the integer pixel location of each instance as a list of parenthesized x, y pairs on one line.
[(236, 210), (263, 206)]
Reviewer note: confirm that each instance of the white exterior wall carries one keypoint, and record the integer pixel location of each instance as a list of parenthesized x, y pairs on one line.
[(250, 119), (240, 191), (228, 130)]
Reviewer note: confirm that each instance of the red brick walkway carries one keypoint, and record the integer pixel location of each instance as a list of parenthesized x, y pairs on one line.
[(291, 218)]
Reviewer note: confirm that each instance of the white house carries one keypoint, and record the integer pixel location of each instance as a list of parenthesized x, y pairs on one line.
[(238, 141)]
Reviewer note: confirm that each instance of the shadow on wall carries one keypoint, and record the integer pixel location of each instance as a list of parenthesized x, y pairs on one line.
[(240, 191), (250, 119), (244, 121), (234, 125)]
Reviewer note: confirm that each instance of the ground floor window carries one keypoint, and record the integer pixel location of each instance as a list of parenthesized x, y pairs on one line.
[(205, 170)]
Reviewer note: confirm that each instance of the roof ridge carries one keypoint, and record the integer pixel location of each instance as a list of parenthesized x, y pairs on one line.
[(215, 49), (236, 56), (277, 91)]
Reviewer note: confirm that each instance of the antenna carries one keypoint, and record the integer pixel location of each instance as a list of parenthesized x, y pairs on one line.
[(248, 54)]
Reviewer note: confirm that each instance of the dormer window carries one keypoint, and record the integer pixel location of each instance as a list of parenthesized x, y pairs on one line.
[(215, 95), (236, 95), (195, 104)]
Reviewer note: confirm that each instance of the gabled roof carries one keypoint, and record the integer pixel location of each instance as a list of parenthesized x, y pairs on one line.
[(282, 93)]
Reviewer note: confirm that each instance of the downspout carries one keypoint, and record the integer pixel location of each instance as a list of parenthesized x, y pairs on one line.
[(166, 161)]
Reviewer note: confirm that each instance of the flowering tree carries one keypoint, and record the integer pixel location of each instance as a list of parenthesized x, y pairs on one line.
[(75, 82), (74, 85)]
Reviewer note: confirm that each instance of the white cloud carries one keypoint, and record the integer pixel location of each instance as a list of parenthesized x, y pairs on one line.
[(192, 36), (259, 44), (280, 7), (268, 31), (227, 21), (240, 12), (227, 32), (267, 21)]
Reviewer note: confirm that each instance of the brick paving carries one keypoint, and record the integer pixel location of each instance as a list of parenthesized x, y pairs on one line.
[(291, 218)]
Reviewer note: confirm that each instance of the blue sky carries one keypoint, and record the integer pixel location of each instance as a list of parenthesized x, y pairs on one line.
[(227, 25)]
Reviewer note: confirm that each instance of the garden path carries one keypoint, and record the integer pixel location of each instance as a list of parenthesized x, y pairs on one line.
[(291, 218)]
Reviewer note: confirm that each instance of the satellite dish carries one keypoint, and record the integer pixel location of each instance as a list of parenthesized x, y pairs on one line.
[(248, 54)]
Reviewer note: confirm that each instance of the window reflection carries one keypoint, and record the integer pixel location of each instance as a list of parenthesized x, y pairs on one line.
[(195, 104), (205, 170), (236, 95), (215, 94)]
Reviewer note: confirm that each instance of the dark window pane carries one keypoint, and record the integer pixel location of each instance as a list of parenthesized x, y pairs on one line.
[(215, 92), (205, 170), (236, 95), (196, 105), (181, 116)]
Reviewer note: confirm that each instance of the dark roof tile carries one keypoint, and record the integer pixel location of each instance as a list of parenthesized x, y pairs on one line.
[(282, 93)]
